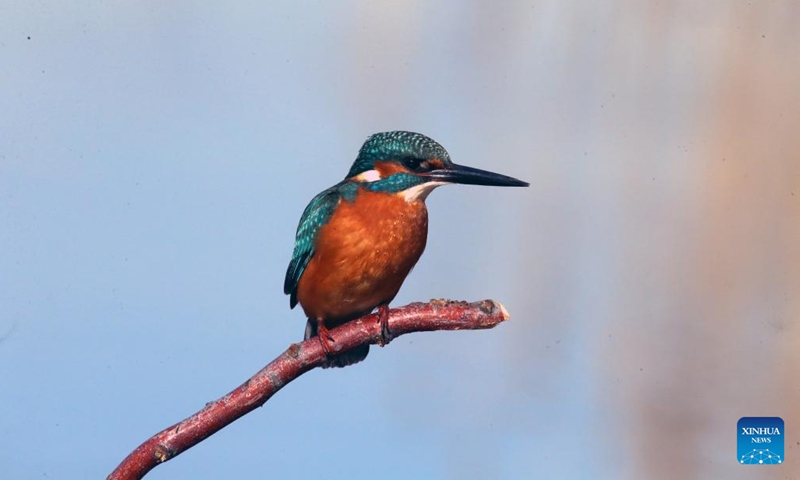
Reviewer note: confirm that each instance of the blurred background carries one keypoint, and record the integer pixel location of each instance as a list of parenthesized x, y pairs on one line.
[(155, 158)]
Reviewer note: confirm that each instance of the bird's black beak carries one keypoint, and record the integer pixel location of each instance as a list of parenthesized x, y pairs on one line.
[(472, 176)]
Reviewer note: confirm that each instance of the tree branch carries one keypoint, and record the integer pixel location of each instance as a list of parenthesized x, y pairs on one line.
[(295, 361)]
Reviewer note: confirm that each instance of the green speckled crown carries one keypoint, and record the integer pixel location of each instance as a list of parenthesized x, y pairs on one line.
[(395, 146)]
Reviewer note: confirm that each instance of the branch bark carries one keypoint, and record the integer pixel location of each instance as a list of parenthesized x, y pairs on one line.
[(295, 361)]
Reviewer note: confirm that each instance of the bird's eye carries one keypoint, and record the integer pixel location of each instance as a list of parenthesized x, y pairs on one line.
[(415, 164)]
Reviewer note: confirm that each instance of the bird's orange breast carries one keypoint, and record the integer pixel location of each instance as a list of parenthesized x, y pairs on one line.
[(363, 255)]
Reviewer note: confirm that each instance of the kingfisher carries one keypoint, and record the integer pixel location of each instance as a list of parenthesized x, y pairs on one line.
[(358, 240)]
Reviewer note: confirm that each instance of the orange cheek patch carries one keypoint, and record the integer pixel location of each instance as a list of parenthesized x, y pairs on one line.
[(386, 169), (436, 163)]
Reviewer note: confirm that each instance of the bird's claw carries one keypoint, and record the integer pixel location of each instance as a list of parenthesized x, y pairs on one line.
[(383, 319), (325, 339)]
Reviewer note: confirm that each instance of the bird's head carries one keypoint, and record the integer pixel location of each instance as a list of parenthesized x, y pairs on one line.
[(413, 164)]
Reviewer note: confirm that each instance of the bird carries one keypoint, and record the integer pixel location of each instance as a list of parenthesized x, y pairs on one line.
[(358, 240)]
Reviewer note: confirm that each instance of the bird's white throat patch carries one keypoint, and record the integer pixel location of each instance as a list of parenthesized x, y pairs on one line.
[(420, 192)]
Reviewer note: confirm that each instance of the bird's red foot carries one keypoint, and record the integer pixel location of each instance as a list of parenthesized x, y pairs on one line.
[(383, 319), (325, 338)]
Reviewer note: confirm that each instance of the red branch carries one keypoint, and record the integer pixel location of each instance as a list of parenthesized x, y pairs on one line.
[(295, 361)]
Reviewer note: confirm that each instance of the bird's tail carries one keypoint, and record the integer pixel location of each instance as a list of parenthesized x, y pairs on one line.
[(343, 359)]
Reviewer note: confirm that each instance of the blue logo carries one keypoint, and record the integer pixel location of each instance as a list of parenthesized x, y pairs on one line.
[(760, 440)]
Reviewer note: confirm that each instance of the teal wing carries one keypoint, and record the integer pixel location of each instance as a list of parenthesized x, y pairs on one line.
[(316, 214)]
